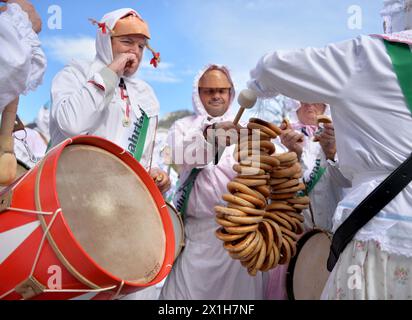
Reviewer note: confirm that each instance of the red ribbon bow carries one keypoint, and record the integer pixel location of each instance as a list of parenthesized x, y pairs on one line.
[(155, 60)]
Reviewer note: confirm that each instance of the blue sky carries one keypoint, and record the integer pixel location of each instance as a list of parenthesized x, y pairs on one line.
[(192, 33)]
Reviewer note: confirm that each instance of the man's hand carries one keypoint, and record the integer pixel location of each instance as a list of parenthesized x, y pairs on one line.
[(327, 141), (293, 141), (123, 63), (31, 12), (161, 179), (225, 133)]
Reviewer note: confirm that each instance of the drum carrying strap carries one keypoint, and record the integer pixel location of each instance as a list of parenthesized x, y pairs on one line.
[(378, 199), (184, 191)]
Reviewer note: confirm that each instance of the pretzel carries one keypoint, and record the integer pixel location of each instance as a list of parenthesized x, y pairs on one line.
[(252, 199), (236, 200), (268, 131), (269, 125), (224, 236), (255, 212), (251, 182)]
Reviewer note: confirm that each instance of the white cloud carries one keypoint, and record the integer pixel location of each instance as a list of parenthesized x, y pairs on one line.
[(64, 49)]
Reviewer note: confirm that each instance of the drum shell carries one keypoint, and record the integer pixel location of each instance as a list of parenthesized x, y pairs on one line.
[(61, 249), (178, 227)]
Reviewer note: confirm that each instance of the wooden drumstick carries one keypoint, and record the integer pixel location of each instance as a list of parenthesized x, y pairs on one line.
[(247, 99), (8, 162)]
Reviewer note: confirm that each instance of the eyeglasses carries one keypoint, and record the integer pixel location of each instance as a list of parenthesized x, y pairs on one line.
[(213, 91)]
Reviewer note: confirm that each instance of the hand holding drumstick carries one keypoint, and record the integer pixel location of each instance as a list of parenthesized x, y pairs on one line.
[(161, 179)]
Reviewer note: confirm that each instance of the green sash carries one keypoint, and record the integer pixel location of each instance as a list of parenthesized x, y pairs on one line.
[(401, 57), (184, 191), (138, 139), (315, 176)]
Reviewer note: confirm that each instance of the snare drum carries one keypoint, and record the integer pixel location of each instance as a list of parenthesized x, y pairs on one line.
[(307, 273), (178, 227), (87, 222)]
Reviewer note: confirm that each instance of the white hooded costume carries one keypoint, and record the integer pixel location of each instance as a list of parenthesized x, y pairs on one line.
[(22, 61), (373, 127), (204, 270), (86, 99)]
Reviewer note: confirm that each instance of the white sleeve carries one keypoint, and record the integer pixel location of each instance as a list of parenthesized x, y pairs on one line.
[(189, 147), (312, 75), (77, 102), (22, 61)]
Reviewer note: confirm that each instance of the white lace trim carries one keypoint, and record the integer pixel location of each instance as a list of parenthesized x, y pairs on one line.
[(391, 246), (20, 20)]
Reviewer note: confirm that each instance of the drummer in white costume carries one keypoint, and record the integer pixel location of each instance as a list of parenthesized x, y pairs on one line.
[(204, 270), (373, 125), (104, 98), (22, 67)]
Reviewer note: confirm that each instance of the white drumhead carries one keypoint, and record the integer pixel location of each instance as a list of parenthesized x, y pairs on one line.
[(310, 273)]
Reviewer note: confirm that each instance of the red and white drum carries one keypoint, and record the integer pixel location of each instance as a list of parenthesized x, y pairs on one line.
[(87, 222), (178, 227), (307, 273)]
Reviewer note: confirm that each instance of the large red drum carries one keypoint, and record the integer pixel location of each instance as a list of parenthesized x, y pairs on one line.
[(87, 222)]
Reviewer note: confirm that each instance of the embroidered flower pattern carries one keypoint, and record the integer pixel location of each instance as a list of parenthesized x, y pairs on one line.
[(401, 275), (340, 294)]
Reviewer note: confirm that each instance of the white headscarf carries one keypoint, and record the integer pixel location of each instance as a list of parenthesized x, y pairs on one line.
[(136, 88), (198, 107), (397, 15)]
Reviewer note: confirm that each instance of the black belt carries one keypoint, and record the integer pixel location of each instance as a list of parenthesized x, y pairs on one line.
[(368, 208)]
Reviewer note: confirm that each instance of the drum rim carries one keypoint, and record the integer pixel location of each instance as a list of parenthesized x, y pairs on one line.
[(24, 165), (182, 233), (59, 238), (292, 264)]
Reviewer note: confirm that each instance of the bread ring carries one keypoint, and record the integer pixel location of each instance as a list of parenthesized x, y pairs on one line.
[(274, 181), (246, 253), (234, 187), (270, 160), (260, 260), (251, 182), (287, 184), (299, 187), (297, 216), (277, 233), (229, 211), (244, 154), (241, 229), (285, 252), (297, 175), (287, 232), (247, 171), (270, 258), (221, 234), (301, 206), (299, 200), (268, 131), (289, 163), (269, 125), (277, 206), (263, 190), (292, 245), (285, 157), (249, 220), (248, 263), (267, 232), (240, 246), (288, 172), (300, 228), (265, 145), (253, 136), (323, 119), (276, 253), (236, 200), (261, 177), (279, 220), (282, 196), (255, 212), (260, 165), (257, 248), (225, 223), (252, 199), (287, 218)]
